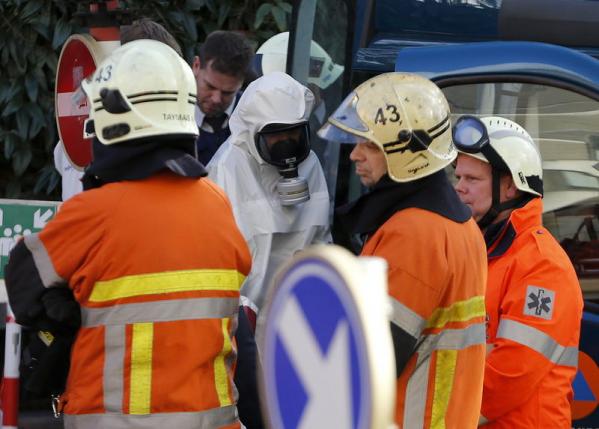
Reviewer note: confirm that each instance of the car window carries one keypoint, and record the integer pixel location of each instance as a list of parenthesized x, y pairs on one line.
[(565, 126)]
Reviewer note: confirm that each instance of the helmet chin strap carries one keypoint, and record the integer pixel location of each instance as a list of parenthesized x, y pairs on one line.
[(496, 206)]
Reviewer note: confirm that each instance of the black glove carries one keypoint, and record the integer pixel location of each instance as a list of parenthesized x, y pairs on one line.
[(45, 362), (61, 310), (46, 358)]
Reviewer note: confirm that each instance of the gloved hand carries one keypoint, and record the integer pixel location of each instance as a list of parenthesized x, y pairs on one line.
[(61, 308)]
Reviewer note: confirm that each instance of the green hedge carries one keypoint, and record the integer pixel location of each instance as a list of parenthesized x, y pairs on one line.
[(32, 33)]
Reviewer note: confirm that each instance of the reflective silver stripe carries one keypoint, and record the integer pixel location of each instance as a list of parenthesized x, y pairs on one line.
[(406, 319), (232, 358), (114, 359), (42, 261), (416, 390), (213, 419), (160, 311), (453, 339), (538, 341), (449, 339), (458, 339)]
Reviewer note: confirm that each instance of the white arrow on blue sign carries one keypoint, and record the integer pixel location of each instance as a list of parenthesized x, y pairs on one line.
[(317, 366)]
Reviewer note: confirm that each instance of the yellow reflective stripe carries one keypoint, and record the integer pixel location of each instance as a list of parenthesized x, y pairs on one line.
[(168, 282), (444, 375), (460, 311), (141, 368), (221, 376)]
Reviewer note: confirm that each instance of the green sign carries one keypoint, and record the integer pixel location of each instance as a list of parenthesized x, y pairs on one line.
[(19, 218)]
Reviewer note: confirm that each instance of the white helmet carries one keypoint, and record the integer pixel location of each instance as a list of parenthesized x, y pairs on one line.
[(272, 56), (505, 145), (405, 115), (143, 89)]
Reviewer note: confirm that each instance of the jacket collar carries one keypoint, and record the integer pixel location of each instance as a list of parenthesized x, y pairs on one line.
[(499, 237), (200, 115), (433, 193), (139, 159)]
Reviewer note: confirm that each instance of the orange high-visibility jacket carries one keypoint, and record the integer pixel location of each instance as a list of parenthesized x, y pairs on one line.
[(156, 266), (437, 277), (534, 307)]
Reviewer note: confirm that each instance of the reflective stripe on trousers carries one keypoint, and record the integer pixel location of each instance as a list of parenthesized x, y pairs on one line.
[(212, 419)]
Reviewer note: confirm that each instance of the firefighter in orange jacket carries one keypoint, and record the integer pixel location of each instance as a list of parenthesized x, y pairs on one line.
[(153, 258), (534, 303), (413, 218)]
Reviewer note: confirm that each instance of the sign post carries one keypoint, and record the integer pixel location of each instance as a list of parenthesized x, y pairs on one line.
[(327, 352), (18, 218)]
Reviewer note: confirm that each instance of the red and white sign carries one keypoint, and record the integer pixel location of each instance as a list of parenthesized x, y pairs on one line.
[(79, 58)]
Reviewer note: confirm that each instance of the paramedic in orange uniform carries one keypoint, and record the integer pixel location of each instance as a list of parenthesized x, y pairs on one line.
[(153, 258), (413, 218), (534, 303)]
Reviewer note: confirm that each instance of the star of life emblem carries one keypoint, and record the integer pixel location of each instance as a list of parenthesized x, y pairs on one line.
[(539, 302)]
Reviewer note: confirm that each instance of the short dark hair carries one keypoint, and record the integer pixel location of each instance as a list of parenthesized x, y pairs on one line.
[(145, 28), (229, 52)]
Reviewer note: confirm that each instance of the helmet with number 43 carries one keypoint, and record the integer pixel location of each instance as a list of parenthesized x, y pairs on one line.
[(143, 89), (405, 115)]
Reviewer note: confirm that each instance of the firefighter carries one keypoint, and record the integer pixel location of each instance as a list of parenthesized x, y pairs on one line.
[(153, 258), (411, 216), (322, 71), (534, 303)]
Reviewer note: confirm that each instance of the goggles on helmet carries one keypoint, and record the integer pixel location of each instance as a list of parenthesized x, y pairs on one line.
[(284, 145), (470, 136)]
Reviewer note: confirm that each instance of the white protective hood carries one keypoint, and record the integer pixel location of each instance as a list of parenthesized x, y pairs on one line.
[(274, 232)]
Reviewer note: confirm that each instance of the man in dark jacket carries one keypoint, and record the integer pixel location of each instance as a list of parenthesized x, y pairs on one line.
[(220, 70)]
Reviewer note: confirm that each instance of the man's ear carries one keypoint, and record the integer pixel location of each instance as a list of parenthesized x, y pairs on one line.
[(509, 186), (196, 65)]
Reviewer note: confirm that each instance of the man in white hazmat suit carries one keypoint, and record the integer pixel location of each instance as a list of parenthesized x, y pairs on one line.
[(273, 179)]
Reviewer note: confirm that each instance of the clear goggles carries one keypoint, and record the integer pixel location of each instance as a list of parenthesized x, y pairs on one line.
[(470, 135)]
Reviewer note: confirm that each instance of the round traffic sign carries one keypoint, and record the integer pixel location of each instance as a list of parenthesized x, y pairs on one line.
[(79, 58), (325, 327)]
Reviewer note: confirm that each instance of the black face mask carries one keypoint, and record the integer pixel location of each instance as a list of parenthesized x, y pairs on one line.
[(289, 146), (288, 152), (285, 152)]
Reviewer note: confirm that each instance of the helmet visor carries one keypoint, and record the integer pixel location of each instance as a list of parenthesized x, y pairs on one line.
[(347, 114), (470, 134), (335, 134), (343, 122), (284, 145), (316, 66)]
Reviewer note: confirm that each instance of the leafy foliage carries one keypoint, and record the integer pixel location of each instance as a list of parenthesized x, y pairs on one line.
[(32, 33)]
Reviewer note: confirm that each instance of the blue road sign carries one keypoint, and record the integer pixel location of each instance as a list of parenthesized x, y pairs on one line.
[(316, 371)]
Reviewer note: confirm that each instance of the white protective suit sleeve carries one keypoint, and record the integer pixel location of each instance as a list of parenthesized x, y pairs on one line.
[(71, 177)]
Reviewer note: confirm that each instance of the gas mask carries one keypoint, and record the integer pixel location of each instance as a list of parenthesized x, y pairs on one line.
[(285, 146)]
